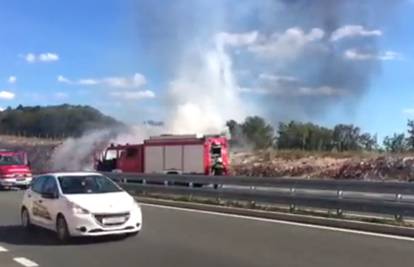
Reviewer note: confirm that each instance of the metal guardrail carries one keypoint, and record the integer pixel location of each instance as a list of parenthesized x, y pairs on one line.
[(267, 190)]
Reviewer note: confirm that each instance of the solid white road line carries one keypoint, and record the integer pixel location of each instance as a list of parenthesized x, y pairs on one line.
[(26, 262), (3, 249), (284, 222)]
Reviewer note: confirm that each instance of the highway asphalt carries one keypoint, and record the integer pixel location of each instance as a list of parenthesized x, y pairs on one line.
[(174, 237)]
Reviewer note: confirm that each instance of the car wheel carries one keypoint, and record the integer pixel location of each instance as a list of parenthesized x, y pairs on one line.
[(62, 231), (134, 233), (131, 234), (25, 219)]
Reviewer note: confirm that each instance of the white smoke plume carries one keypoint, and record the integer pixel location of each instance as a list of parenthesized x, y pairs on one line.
[(205, 93), (78, 154)]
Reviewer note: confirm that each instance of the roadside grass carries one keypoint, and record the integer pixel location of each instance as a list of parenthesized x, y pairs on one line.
[(294, 154)]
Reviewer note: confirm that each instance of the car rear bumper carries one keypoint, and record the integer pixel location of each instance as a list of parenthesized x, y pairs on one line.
[(87, 225), (15, 182)]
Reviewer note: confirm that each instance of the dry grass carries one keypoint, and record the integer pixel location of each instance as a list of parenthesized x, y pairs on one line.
[(299, 154)]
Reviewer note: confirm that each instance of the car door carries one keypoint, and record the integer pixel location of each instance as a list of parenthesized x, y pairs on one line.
[(49, 202), (34, 199)]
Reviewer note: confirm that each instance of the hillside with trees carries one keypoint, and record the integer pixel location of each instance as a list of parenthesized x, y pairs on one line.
[(256, 133), (308, 150), (53, 121)]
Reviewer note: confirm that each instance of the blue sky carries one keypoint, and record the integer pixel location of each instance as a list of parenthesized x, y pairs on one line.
[(127, 58)]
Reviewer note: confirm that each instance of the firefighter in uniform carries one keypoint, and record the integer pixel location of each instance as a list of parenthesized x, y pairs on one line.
[(218, 167)]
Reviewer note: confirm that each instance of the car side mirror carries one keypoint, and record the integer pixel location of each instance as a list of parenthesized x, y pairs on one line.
[(49, 195)]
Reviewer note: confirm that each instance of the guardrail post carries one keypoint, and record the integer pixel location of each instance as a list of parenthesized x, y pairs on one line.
[(398, 198), (144, 182), (252, 202), (339, 195), (217, 187), (191, 185), (292, 206)]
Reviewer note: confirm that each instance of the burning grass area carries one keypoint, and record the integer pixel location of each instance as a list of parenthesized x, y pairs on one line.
[(334, 165)]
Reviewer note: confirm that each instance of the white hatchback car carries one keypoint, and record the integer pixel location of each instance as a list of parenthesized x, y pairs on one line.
[(80, 204)]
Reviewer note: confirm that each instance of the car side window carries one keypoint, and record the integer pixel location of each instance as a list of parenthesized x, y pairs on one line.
[(50, 186), (38, 184)]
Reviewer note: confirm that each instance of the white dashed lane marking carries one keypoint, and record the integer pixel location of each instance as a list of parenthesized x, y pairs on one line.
[(3, 249), (26, 262)]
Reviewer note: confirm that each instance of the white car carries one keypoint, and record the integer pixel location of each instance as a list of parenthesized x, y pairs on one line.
[(80, 204)]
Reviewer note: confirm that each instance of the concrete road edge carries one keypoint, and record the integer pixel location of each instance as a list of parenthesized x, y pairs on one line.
[(306, 219)]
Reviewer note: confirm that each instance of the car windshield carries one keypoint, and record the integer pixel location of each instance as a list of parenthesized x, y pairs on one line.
[(90, 184), (10, 160)]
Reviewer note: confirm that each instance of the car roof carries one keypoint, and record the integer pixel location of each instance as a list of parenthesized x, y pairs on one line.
[(69, 174)]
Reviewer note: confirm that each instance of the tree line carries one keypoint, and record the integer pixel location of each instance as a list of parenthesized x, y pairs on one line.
[(53, 121), (257, 133)]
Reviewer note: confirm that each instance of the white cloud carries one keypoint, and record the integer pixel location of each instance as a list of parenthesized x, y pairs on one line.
[(391, 55), (276, 78), (295, 91), (6, 95), (63, 79), (112, 83), (354, 54), (408, 111), (286, 45), (137, 80), (31, 58), (319, 91), (1, 109), (12, 79), (116, 82), (88, 82), (254, 90), (289, 86), (43, 57), (349, 31), (134, 95), (124, 82), (236, 39), (47, 57)]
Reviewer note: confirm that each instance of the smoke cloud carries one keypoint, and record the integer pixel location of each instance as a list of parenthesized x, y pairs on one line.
[(77, 154), (329, 49), (203, 96)]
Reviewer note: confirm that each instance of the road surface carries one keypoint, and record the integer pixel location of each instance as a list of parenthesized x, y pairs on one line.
[(175, 237)]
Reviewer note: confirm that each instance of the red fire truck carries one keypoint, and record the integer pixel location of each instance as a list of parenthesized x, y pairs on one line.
[(14, 169), (167, 154)]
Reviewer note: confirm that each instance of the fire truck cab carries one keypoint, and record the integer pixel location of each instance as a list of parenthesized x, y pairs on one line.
[(14, 169)]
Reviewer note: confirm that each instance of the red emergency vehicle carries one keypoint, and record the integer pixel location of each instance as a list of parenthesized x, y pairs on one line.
[(14, 169), (167, 154)]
